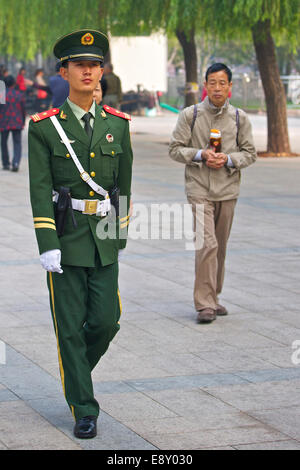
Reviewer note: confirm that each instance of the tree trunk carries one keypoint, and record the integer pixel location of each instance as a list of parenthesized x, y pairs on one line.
[(278, 137), (188, 44)]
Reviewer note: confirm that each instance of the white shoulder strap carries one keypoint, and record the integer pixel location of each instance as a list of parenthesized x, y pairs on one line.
[(83, 174)]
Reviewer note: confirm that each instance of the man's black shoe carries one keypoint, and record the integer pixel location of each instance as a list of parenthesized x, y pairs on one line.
[(86, 428), (15, 168)]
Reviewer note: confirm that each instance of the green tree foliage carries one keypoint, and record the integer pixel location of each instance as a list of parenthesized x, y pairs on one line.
[(30, 26)]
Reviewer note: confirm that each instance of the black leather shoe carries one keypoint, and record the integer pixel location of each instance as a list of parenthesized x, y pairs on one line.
[(86, 428), (15, 168)]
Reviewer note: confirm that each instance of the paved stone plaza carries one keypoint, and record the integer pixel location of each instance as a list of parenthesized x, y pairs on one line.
[(166, 382)]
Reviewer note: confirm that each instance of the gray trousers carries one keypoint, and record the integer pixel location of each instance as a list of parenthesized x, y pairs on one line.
[(16, 134)]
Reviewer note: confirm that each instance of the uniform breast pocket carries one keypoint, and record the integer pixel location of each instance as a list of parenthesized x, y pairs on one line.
[(63, 167), (111, 153)]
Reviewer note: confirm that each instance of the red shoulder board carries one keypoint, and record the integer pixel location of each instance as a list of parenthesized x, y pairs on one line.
[(45, 114), (115, 112)]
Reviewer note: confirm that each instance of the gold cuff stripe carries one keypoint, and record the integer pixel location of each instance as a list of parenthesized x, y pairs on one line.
[(61, 369), (125, 224), (43, 219), (120, 303), (124, 218), (45, 226)]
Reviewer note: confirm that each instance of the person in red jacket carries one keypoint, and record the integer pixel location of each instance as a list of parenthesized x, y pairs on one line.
[(21, 81), (12, 119)]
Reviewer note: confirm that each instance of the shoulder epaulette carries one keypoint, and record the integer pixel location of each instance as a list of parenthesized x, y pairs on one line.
[(116, 112), (45, 114)]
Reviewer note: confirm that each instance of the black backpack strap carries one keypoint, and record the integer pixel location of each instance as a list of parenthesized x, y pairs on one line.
[(237, 120), (194, 117)]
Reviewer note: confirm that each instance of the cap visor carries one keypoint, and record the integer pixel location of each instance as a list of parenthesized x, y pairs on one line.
[(80, 59)]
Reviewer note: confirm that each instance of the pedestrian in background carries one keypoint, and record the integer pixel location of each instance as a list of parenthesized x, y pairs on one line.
[(12, 119), (212, 180), (41, 94), (59, 88), (22, 82), (97, 95), (113, 94)]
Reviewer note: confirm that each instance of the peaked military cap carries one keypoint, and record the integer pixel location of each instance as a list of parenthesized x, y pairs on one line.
[(85, 44)]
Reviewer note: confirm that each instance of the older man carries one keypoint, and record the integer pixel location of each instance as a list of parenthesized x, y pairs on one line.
[(212, 180)]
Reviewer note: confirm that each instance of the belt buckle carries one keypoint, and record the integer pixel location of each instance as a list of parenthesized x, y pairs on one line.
[(90, 207), (85, 176)]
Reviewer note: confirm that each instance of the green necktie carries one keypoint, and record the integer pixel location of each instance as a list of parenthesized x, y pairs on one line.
[(87, 126)]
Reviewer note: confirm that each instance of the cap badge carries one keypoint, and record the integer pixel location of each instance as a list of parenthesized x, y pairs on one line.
[(109, 138), (87, 39)]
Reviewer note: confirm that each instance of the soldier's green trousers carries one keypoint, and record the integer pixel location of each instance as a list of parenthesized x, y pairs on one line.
[(86, 308)]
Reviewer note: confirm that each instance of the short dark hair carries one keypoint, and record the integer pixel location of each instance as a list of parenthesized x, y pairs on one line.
[(217, 67), (9, 81)]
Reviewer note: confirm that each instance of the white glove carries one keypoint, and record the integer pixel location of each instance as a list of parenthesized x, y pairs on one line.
[(50, 260)]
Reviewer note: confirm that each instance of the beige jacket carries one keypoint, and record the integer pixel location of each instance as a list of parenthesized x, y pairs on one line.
[(201, 181)]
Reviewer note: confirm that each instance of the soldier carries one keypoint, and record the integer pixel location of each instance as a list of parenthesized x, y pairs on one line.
[(79, 158)]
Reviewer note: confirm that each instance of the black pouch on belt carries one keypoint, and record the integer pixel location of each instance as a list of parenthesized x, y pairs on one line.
[(64, 202), (114, 195)]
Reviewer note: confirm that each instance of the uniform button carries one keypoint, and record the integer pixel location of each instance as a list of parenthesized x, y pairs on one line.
[(68, 155), (93, 173), (92, 154), (112, 152), (92, 193)]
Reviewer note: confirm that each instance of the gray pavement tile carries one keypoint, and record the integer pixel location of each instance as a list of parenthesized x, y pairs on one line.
[(217, 448), (29, 381), (276, 445), (205, 421), (189, 403), (7, 395), (232, 361), (185, 382), (286, 335), (36, 333), (271, 375), (280, 357), (111, 387), (258, 396), (215, 438), (181, 364), (132, 406), (120, 364), (28, 430), (248, 339), (286, 419), (2, 446)]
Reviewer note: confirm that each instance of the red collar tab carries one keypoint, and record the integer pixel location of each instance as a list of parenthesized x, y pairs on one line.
[(45, 114), (115, 112)]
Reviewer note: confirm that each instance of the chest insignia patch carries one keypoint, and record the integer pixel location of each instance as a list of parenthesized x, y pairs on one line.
[(109, 138)]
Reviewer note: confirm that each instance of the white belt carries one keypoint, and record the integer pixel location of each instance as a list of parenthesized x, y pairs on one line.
[(89, 206)]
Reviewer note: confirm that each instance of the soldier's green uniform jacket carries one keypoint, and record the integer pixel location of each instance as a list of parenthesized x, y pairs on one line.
[(51, 167)]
